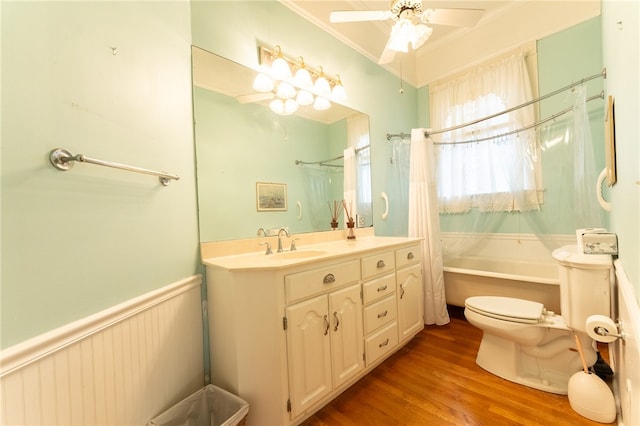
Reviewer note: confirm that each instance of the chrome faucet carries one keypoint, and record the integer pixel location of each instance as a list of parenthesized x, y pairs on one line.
[(280, 239), (263, 231)]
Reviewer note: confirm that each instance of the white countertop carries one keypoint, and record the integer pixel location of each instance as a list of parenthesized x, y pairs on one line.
[(320, 251)]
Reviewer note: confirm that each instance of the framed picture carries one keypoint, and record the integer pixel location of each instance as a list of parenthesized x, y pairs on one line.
[(271, 197)]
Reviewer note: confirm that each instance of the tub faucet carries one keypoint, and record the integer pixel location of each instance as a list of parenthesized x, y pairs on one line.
[(280, 239)]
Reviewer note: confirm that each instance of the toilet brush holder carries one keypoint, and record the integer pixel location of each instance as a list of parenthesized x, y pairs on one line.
[(589, 395)]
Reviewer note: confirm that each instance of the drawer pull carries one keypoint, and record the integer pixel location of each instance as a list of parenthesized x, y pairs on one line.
[(335, 316), (326, 325), (380, 264), (383, 288), (385, 343), (329, 279), (383, 314), (410, 255), (401, 291)]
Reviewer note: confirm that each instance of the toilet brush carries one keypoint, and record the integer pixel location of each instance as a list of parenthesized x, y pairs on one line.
[(589, 395)]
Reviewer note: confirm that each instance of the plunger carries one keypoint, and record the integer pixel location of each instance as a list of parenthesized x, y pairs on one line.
[(589, 395)]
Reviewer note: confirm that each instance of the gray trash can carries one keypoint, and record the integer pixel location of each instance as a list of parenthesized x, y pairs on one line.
[(210, 406)]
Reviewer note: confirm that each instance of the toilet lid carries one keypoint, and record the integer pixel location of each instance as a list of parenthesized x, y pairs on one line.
[(506, 308)]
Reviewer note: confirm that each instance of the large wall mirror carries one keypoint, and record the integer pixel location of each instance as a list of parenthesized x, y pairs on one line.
[(257, 169)]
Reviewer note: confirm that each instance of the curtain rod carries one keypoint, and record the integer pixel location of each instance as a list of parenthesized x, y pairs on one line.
[(322, 163), (602, 73), (401, 135), (522, 129)]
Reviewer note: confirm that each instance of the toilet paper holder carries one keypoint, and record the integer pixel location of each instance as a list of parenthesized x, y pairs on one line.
[(603, 331)]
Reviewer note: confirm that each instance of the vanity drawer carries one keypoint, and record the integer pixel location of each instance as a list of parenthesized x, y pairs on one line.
[(408, 256), (315, 281), (378, 288), (380, 313), (378, 264), (381, 343)]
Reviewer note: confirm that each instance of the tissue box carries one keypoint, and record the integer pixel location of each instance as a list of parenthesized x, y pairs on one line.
[(600, 243)]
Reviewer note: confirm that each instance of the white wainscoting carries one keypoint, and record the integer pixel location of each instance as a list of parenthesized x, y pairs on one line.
[(625, 354), (122, 366)]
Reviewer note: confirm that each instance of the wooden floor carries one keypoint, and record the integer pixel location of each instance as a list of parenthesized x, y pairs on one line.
[(434, 380)]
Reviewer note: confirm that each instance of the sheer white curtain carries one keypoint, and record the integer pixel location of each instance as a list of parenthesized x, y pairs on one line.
[(424, 222), (500, 174)]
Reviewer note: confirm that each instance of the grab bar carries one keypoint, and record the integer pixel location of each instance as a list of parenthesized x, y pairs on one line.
[(63, 160)]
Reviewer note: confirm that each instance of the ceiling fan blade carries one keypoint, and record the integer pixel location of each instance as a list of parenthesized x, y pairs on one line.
[(453, 17), (387, 54), (359, 15), (254, 97)]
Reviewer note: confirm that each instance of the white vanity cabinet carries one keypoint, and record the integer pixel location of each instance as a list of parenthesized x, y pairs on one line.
[(324, 333), (380, 307), (289, 335), (410, 292)]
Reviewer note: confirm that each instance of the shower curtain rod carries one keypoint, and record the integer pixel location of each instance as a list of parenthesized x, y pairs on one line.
[(602, 73), (400, 135), (322, 163), (522, 129)]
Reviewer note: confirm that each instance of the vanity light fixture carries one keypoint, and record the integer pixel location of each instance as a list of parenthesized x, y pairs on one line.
[(293, 83)]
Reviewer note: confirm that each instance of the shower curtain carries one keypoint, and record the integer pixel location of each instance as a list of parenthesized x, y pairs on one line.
[(424, 222)]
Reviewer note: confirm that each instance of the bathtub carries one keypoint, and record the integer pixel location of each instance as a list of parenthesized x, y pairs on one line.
[(484, 276)]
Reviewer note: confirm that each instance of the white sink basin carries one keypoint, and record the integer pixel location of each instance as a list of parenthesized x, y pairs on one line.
[(298, 254)]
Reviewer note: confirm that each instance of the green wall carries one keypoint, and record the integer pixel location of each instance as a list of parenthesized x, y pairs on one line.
[(77, 242)]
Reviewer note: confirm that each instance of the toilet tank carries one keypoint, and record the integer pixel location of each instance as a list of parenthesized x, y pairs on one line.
[(585, 285)]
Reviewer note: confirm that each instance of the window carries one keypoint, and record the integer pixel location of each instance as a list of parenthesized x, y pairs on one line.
[(486, 165)]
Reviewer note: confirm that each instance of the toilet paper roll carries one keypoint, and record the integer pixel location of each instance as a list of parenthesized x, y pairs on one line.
[(596, 322)]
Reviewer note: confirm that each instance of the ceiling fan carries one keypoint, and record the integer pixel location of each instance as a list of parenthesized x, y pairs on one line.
[(410, 23)]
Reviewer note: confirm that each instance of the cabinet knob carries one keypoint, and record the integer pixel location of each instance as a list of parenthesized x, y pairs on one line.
[(401, 291), (383, 314), (385, 343), (380, 264), (383, 288), (329, 279), (326, 325), (410, 255), (335, 316)]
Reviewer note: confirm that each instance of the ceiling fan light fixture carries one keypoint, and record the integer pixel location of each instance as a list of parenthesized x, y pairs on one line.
[(421, 33), (401, 34)]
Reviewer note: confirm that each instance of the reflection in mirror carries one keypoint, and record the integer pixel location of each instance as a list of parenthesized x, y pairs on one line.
[(242, 145)]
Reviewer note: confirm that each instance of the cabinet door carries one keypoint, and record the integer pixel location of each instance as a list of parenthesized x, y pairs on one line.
[(410, 301), (309, 353), (347, 346)]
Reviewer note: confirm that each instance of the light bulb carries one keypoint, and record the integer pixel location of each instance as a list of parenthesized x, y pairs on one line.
[(304, 98), (302, 79), (338, 93), (285, 91), (263, 83), (277, 106), (280, 69), (321, 85), (290, 106), (321, 104)]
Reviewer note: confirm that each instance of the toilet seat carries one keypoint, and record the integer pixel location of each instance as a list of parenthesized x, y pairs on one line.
[(506, 308)]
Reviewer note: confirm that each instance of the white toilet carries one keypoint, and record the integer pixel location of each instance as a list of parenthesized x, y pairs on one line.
[(524, 343)]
